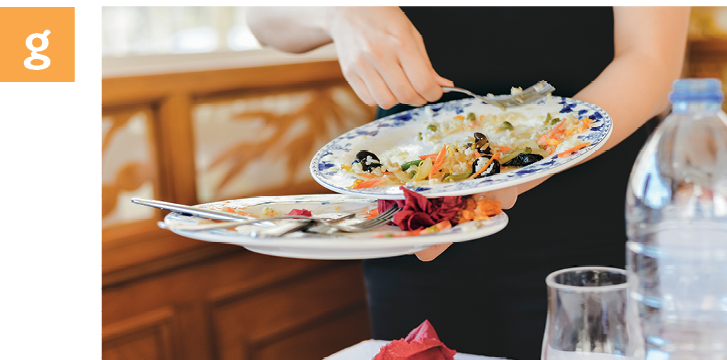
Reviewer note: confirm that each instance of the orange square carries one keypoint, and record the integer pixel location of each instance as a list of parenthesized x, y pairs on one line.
[(50, 31)]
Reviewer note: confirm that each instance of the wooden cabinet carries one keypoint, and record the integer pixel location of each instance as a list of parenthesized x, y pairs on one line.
[(182, 138)]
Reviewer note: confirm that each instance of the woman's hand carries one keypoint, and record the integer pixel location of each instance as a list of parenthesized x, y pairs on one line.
[(507, 198), (382, 56)]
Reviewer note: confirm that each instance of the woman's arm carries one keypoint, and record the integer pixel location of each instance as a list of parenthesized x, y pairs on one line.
[(382, 55), (649, 53), (288, 28)]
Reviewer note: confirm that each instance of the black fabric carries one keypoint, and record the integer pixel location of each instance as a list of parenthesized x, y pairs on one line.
[(488, 296)]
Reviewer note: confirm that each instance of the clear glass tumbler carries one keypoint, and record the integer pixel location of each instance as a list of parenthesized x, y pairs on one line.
[(588, 316)]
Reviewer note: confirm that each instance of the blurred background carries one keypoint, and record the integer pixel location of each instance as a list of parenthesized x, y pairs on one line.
[(194, 111)]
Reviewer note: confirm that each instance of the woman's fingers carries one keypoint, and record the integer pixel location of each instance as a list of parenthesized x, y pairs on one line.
[(507, 196), (361, 90), (432, 252), (380, 49)]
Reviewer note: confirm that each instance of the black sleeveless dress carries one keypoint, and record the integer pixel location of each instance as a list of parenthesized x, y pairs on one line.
[(488, 296)]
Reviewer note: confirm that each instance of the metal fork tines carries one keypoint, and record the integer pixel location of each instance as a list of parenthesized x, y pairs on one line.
[(365, 225), (527, 96)]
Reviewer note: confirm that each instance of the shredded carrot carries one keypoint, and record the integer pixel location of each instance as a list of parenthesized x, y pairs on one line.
[(504, 149), (438, 162), (459, 117), (554, 142), (585, 124), (573, 149), (228, 209), (366, 175), (370, 183), (554, 129), (543, 140), (426, 156), (486, 208), (444, 225), (497, 156), (371, 213)]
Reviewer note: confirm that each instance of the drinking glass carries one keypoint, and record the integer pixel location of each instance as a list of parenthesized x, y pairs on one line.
[(588, 316)]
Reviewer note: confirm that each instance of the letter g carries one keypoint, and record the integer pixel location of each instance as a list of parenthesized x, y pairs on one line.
[(34, 51)]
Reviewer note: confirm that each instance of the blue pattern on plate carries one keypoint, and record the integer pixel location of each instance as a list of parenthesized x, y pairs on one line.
[(600, 129), (324, 165), (568, 108)]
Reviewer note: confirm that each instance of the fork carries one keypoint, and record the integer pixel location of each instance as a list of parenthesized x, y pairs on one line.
[(365, 225), (299, 219), (324, 224), (527, 96)]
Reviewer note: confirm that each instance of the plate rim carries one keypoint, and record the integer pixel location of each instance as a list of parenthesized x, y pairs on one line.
[(338, 244), (399, 195)]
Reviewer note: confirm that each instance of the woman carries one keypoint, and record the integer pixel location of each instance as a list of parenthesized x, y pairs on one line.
[(488, 296)]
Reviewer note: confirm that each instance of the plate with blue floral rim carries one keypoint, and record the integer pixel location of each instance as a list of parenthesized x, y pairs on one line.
[(401, 131), (379, 243)]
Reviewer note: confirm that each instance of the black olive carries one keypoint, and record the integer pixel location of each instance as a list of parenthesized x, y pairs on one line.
[(482, 144), (493, 169), (523, 159), (361, 159)]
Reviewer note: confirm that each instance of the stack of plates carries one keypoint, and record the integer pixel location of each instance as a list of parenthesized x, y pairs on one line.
[(398, 130)]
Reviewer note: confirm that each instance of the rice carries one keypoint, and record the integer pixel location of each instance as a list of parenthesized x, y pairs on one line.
[(513, 130)]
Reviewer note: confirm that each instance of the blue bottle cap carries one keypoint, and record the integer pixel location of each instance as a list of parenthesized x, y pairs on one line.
[(708, 89)]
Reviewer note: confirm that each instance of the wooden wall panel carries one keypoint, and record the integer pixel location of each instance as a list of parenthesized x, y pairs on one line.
[(170, 297), (314, 343), (145, 336), (277, 298), (301, 307)]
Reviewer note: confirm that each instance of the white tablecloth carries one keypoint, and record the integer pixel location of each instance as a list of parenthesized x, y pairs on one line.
[(366, 350)]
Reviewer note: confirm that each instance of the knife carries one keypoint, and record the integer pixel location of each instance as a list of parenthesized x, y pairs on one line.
[(191, 210), (292, 222)]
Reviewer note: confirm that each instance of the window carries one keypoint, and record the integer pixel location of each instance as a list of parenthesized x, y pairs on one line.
[(137, 30)]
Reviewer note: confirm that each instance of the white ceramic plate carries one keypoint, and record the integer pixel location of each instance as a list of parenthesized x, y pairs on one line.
[(400, 130), (342, 246)]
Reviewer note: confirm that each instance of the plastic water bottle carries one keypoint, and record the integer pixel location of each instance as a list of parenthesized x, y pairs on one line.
[(676, 213)]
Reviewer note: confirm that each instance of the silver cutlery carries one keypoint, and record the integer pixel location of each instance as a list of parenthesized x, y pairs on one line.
[(291, 220), (527, 96), (321, 224), (366, 225), (192, 210), (232, 218)]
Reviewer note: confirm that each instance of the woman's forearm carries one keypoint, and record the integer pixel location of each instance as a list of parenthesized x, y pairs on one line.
[(649, 48), (290, 29)]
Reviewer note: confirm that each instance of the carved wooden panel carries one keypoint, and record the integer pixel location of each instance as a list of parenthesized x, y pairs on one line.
[(169, 297), (128, 169), (146, 336), (248, 304), (323, 340), (295, 316), (262, 144)]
